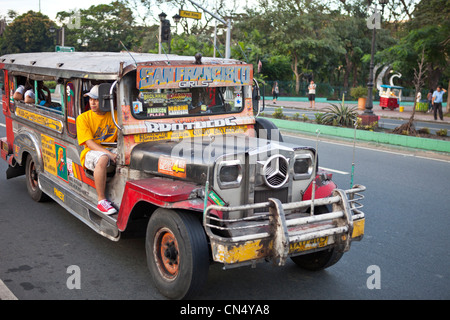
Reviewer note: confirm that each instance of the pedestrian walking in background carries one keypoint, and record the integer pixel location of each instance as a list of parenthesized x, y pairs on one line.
[(437, 102), (430, 98), (312, 94), (275, 92)]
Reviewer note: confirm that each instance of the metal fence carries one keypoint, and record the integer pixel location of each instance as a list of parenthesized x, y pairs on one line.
[(323, 90)]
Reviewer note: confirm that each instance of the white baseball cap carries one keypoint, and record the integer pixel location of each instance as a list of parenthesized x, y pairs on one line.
[(93, 93)]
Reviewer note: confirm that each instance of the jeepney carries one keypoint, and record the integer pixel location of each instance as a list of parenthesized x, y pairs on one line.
[(211, 181)]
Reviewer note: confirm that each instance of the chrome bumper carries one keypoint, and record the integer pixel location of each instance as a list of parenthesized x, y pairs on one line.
[(283, 231)]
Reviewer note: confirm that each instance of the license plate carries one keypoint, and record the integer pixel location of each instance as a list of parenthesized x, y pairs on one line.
[(308, 245)]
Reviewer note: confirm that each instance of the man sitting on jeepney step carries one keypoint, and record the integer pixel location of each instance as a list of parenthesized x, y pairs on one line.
[(93, 128)]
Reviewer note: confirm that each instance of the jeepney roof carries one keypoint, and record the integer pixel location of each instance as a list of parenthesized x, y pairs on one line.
[(94, 64)]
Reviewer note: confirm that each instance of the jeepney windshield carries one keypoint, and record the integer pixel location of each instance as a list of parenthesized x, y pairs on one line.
[(150, 104), (184, 90)]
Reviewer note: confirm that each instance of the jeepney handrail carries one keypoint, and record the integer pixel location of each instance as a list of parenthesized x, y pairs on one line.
[(354, 200), (112, 105)]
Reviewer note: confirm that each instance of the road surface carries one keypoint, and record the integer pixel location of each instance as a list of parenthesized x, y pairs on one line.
[(405, 246)]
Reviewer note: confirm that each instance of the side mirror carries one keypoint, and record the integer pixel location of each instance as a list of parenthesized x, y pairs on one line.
[(104, 98), (256, 96)]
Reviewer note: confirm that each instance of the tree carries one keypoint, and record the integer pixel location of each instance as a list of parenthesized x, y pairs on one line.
[(427, 32), (28, 32), (419, 75), (301, 30), (351, 31), (102, 28)]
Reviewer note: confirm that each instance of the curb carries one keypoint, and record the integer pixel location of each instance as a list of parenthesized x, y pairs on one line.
[(378, 137)]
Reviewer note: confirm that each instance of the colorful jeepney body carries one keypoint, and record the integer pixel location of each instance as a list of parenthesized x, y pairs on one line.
[(188, 142)]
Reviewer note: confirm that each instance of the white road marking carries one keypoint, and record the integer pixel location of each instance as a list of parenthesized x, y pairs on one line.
[(5, 293)]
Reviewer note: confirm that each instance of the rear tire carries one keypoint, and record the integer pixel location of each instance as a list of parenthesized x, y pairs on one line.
[(177, 253), (32, 179), (318, 260)]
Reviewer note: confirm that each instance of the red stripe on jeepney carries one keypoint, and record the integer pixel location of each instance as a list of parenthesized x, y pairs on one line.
[(86, 180), (79, 173)]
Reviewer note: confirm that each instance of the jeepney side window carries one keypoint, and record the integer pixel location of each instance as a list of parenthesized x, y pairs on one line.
[(86, 86), (179, 102), (19, 85), (45, 99), (11, 88)]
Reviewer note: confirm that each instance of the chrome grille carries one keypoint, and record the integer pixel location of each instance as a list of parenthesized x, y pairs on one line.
[(264, 195)]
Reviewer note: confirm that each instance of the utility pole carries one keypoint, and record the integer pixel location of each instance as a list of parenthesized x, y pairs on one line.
[(227, 23)]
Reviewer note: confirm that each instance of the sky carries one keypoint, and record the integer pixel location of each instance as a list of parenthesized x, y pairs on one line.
[(48, 7), (52, 7)]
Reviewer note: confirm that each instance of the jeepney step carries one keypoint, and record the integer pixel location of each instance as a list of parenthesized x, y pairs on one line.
[(80, 207)]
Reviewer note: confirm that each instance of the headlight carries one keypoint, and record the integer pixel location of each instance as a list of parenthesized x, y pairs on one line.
[(303, 166), (230, 174)]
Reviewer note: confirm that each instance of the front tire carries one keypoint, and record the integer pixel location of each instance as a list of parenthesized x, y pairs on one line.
[(177, 253), (266, 129), (319, 260)]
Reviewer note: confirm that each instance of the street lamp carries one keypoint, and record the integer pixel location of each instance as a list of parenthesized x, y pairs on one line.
[(162, 17), (227, 23), (176, 18), (368, 116)]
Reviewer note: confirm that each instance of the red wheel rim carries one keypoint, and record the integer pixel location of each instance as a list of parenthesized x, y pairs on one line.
[(167, 253)]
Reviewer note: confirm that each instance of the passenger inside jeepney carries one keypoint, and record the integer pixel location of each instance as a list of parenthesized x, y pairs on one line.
[(43, 99), (21, 89)]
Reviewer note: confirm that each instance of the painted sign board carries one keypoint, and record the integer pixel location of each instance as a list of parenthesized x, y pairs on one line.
[(160, 77), (191, 14)]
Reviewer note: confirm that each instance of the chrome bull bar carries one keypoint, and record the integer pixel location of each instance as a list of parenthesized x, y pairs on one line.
[(270, 234)]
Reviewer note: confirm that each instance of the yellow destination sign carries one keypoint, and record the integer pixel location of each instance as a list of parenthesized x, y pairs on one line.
[(191, 14), (50, 123)]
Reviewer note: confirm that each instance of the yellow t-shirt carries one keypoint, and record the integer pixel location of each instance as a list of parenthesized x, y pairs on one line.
[(99, 128)]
